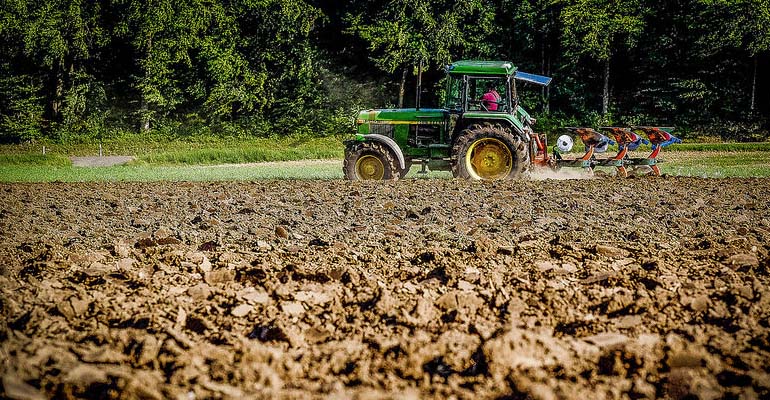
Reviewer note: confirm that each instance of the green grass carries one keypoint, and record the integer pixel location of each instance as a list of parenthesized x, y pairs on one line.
[(247, 153), (326, 170), (26, 159), (701, 164), (300, 170), (225, 160), (738, 147), (709, 164), (173, 161), (194, 152), (718, 164)]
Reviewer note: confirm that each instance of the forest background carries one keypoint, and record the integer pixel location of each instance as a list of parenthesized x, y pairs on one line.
[(83, 70)]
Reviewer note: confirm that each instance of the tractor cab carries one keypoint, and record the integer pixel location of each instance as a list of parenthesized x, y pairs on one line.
[(479, 94), (470, 82)]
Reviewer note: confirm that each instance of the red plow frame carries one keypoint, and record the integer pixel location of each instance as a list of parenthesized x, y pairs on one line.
[(627, 140)]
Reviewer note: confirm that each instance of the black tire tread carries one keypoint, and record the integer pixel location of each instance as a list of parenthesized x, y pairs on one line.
[(355, 150), (518, 148)]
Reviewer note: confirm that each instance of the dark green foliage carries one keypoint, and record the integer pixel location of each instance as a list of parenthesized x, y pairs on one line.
[(22, 110), (83, 71)]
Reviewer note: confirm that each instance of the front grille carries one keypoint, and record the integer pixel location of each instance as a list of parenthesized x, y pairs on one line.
[(382, 129)]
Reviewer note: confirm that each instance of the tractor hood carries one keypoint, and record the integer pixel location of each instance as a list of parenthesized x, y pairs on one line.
[(532, 78), (400, 115)]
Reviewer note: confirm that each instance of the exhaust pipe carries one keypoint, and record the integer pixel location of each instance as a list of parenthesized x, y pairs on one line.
[(419, 86)]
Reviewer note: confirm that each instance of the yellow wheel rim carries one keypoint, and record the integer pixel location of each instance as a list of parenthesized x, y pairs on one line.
[(488, 159), (369, 167)]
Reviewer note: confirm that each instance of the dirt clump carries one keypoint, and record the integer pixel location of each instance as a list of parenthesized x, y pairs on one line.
[(572, 289)]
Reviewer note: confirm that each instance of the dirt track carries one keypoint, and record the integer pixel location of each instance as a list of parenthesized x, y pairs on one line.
[(105, 161), (580, 289)]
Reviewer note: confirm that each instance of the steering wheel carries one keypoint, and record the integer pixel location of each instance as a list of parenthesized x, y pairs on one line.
[(480, 103)]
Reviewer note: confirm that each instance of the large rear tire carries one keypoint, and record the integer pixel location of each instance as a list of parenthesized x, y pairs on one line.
[(489, 152), (370, 161)]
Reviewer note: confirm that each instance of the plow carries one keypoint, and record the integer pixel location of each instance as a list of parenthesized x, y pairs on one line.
[(597, 142)]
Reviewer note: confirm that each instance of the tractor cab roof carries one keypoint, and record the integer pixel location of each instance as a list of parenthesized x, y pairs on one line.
[(468, 67), (494, 68)]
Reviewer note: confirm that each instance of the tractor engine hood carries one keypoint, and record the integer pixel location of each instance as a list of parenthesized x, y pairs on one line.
[(399, 116)]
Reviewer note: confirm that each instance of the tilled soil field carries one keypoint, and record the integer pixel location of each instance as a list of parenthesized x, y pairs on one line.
[(577, 289)]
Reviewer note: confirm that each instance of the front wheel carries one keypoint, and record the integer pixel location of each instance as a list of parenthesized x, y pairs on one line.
[(488, 153), (369, 161)]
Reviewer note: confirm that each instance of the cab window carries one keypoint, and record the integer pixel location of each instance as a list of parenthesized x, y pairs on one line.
[(487, 94), (453, 100)]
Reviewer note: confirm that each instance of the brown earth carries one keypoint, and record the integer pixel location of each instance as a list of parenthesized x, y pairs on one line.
[(577, 289)]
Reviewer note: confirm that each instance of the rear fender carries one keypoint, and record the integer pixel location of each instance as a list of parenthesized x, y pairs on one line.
[(391, 144), (522, 132)]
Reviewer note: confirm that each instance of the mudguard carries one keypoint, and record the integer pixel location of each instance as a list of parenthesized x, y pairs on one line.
[(522, 131), (391, 145)]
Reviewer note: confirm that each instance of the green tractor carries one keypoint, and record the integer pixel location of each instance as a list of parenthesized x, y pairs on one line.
[(482, 132)]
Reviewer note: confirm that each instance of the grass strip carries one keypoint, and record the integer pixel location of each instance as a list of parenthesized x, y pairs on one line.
[(718, 164), (719, 147), (206, 163), (697, 164), (193, 151), (239, 155), (55, 160), (328, 169)]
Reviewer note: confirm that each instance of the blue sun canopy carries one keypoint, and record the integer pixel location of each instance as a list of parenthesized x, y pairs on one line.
[(532, 78)]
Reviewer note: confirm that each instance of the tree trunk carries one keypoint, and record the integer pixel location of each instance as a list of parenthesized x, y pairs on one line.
[(402, 89), (542, 69), (56, 101), (144, 107), (144, 116), (753, 86), (545, 66), (548, 88), (606, 91)]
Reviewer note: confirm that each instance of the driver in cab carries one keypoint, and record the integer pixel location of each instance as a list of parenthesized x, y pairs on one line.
[(491, 98)]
